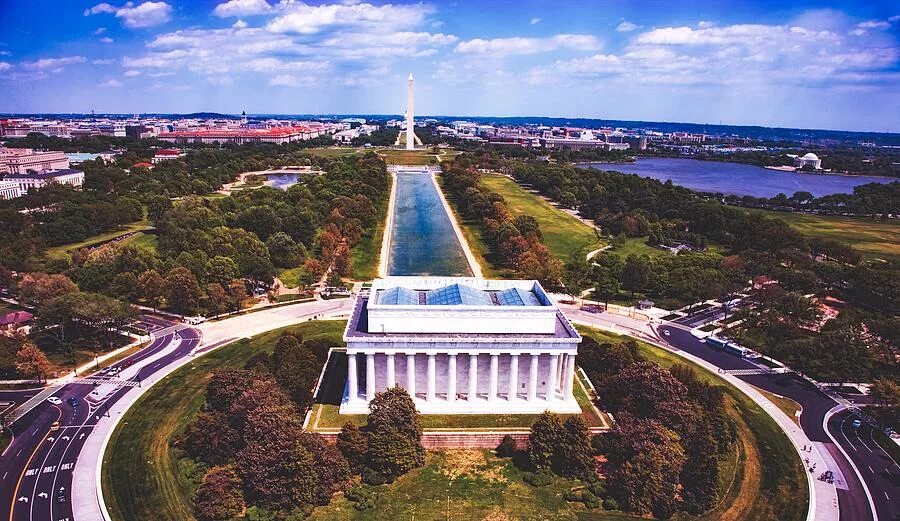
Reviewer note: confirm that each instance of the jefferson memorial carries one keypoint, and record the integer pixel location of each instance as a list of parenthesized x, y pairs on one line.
[(461, 345)]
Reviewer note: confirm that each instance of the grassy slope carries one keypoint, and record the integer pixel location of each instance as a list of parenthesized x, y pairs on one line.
[(58, 251), (147, 240), (873, 239), (474, 236), (564, 235), (142, 477)]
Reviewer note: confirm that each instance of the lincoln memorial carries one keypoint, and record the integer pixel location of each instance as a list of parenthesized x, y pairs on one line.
[(461, 346)]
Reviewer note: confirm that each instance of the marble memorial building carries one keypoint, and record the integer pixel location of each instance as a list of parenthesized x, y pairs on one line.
[(461, 345)]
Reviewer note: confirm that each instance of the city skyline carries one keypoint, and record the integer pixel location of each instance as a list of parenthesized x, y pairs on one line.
[(798, 66)]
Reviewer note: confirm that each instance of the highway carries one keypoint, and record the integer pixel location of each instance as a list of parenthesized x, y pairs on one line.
[(37, 467)]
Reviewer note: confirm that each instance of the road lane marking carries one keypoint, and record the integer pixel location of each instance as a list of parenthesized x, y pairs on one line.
[(870, 469), (12, 504)]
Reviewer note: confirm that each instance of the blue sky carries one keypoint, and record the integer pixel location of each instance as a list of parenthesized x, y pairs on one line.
[(778, 63)]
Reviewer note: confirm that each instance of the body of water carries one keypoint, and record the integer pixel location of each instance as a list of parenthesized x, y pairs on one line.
[(422, 238), (283, 180), (737, 179)]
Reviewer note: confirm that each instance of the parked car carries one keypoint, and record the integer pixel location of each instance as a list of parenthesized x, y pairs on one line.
[(54, 400), (195, 320)]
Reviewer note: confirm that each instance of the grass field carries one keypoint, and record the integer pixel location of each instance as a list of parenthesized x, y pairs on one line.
[(873, 239), (564, 235), (291, 277), (638, 246), (142, 475), (59, 251), (147, 240), (334, 151), (395, 156)]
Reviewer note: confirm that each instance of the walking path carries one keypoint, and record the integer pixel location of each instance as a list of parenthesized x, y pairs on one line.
[(388, 229)]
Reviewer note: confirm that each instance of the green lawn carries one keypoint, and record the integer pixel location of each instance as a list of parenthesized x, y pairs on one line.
[(334, 151), (146, 240), (395, 156), (564, 235), (467, 485), (637, 246), (59, 251), (873, 239), (143, 478)]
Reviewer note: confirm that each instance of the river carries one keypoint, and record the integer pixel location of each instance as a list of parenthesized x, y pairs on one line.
[(737, 179), (422, 240)]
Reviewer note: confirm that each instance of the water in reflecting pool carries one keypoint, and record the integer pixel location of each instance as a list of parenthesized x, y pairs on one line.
[(422, 238)]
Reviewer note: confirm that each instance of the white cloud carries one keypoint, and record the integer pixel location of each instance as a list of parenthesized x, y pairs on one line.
[(5, 66), (742, 34), (53, 64), (100, 30), (242, 8), (519, 45), (104, 62), (626, 26), (110, 84), (863, 28), (240, 24), (300, 18), (285, 80), (535, 21), (106, 39), (147, 14), (100, 8), (132, 73)]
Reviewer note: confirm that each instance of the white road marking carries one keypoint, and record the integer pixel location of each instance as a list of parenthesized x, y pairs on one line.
[(870, 469)]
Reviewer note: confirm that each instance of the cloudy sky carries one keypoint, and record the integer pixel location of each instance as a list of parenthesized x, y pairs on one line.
[(778, 63)]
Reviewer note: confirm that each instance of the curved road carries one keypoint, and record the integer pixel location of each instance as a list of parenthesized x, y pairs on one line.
[(37, 467)]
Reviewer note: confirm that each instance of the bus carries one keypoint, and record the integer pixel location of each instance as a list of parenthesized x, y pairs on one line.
[(736, 350), (718, 343)]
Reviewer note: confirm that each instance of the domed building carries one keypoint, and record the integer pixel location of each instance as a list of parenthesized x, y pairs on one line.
[(808, 159)]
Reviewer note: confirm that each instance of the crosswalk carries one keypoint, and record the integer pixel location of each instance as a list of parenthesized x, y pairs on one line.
[(100, 380), (747, 372)]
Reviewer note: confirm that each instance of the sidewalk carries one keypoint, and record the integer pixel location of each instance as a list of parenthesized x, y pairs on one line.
[(823, 498)]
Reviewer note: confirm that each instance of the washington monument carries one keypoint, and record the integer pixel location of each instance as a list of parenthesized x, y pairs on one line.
[(410, 133)]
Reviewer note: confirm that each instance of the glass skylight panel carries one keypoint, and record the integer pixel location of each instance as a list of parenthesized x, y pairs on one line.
[(399, 296)]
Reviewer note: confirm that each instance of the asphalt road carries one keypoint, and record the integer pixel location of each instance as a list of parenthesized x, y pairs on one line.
[(37, 469), (881, 472), (853, 503)]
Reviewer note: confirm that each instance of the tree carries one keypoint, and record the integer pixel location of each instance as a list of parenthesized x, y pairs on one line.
[(546, 436), (575, 456), (151, 287), (353, 444), (237, 294), (221, 270), (885, 393), (182, 290), (640, 388), (216, 300), (220, 496), (31, 362), (296, 368), (39, 288), (284, 251), (576, 277), (226, 386), (210, 438), (395, 436), (636, 273), (645, 463)]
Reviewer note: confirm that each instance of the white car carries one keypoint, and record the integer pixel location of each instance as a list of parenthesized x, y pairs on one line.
[(54, 400)]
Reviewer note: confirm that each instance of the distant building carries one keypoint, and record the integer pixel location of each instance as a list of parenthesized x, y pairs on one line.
[(9, 190), (43, 178), (15, 322), (636, 142), (809, 159), (165, 154), (277, 135), (22, 160), (566, 143)]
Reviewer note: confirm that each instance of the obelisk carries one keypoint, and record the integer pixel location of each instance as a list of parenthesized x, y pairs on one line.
[(410, 135)]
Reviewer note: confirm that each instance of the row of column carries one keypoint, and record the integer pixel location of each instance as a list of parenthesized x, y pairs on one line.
[(560, 373)]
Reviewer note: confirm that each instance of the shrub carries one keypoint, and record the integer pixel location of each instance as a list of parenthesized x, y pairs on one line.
[(610, 504), (507, 447), (362, 498), (541, 478), (371, 476)]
